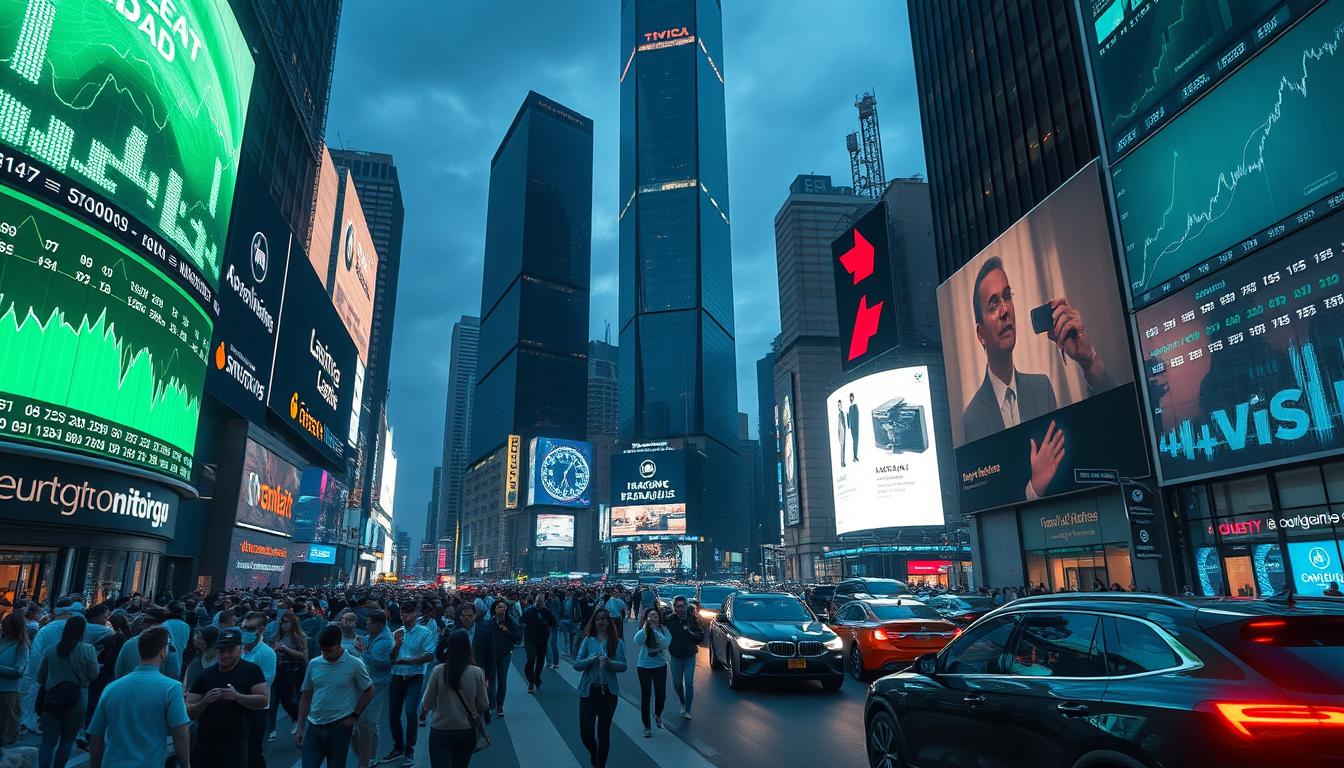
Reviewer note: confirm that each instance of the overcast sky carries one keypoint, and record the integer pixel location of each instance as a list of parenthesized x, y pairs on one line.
[(436, 83)]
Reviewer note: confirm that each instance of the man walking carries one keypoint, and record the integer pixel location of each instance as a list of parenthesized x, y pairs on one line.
[(616, 607), (263, 655), (412, 648), (377, 659), (141, 710), (224, 701), (336, 691)]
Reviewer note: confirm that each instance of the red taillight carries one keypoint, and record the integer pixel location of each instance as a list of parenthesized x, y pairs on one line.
[(879, 634), (1256, 720), (1263, 631), (966, 617), (956, 633)]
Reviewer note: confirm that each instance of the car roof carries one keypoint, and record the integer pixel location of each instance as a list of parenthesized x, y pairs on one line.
[(889, 601), (750, 595), (1205, 610)]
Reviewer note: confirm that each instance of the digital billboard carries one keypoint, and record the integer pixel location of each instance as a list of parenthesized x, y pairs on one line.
[(114, 205), (555, 531), (57, 494), (512, 465), (559, 473), (356, 270), (324, 216), (623, 559), (884, 459), (1315, 565), (322, 554), (648, 490), (662, 558), (387, 478), (1247, 164), (1028, 409), (250, 293), (258, 559), (319, 515), (864, 294), (311, 386), (793, 507), (1244, 368), (267, 490)]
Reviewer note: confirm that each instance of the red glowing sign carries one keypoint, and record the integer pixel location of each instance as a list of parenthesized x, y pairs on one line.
[(927, 567), (863, 289)]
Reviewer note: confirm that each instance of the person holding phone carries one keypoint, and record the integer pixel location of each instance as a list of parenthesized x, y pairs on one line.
[(600, 657), (222, 701), (653, 639)]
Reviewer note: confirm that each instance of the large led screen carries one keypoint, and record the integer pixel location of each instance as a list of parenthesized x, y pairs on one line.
[(267, 491), (1039, 377), (793, 506), (114, 204), (1243, 167), (648, 490), (356, 271), (1245, 368), (319, 514), (555, 531), (884, 460), (258, 559), (1315, 565), (559, 473)]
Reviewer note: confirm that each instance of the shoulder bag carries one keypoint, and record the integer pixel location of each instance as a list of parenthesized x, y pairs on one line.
[(477, 724)]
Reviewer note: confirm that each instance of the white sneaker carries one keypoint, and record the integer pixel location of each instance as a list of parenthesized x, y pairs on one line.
[(685, 714)]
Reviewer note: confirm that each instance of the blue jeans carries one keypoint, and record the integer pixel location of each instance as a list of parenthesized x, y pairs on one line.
[(403, 699), (499, 684), (553, 649), (683, 680), (58, 735), (330, 744)]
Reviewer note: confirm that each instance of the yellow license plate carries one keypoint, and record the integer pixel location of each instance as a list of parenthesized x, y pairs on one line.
[(797, 663)]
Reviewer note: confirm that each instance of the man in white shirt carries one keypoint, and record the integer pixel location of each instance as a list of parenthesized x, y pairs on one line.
[(412, 648), (261, 654)]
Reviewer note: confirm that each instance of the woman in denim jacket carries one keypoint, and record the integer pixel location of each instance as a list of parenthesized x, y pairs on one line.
[(601, 656)]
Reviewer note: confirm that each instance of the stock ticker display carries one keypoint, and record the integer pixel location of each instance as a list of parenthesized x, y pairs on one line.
[(1251, 162), (120, 130), (1246, 368)]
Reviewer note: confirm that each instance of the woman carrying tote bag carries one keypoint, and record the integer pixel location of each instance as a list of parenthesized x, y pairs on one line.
[(456, 694)]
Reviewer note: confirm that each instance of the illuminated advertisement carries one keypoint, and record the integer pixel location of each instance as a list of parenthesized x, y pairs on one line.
[(559, 473), (884, 460), (267, 491), (623, 559), (356, 270), (257, 559), (324, 216), (322, 554), (1244, 369), (662, 558), (114, 210), (864, 294), (250, 293), (319, 515), (1028, 409), (311, 384), (387, 484), (1315, 565), (793, 507), (57, 494), (648, 490), (480, 563), (555, 531), (512, 465)]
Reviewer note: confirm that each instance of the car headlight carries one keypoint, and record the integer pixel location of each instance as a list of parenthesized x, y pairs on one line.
[(707, 614), (747, 644), (835, 643)]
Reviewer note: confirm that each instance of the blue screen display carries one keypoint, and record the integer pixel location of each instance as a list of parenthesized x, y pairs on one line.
[(322, 553), (560, 473)]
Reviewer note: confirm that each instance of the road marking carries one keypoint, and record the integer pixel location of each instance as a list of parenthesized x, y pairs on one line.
[(536, 742)]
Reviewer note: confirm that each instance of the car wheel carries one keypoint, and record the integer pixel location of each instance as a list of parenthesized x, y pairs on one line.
[(883, 749), (833, 683), (714, 662), (735, 679), (856, 662)]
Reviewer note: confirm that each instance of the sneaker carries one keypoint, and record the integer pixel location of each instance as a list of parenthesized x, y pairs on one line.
[(391, 756), (648, 734), (685, 714), (659, 720), (499, 712), (408, 761), (530, 689)]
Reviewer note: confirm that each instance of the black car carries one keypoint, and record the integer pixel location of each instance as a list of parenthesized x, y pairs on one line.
[(669, 592), (961, 610), (818, 597), (865, 588), (1122, 681), (709, 599), (773, 634)]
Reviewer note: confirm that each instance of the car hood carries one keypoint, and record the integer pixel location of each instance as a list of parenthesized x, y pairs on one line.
[(784, 630)]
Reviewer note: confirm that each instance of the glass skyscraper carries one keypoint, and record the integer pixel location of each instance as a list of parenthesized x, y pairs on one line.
[(677, 356)]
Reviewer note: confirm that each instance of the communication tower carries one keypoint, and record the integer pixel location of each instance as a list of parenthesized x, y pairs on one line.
[(865, 149)]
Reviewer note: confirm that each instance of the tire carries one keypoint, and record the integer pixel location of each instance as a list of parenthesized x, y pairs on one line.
[(735, 679), (882, 745), (714, 662), (856, 669)]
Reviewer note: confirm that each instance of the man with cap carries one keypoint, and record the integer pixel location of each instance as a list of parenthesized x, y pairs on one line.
[(223, 701)]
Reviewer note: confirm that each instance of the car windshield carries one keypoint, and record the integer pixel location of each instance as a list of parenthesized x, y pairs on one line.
[(670, 591), (892, 612), (715, 595), (780, 608), (881, 587)]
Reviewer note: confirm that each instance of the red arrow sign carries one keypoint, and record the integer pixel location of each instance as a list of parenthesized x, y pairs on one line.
[(858, 260), (866, 322)]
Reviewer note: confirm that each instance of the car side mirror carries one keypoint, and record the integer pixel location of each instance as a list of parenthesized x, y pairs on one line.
[(927, 664)]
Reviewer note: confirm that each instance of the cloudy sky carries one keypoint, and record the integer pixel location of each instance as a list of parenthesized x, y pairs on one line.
[(436, 83)]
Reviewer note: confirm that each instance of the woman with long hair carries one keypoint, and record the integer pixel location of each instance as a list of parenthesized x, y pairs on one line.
[(601, 656), (456, 693), (291, 657), (653, 639), (13, 663), (507, 636), (65, 674)]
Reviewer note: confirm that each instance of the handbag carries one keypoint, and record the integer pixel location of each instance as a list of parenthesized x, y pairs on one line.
[(477, 724)]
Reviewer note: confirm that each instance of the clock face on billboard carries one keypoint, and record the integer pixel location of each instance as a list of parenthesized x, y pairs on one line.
[(565, 473)]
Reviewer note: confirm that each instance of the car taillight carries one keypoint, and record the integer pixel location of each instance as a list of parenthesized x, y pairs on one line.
[(1280, 720), (956, 633), (879, 634), (966, 617)]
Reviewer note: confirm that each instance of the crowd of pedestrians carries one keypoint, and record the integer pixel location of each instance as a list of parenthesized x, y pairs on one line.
[(202, 680)]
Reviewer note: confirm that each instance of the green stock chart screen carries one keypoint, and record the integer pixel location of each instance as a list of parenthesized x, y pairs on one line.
[(121, 125)]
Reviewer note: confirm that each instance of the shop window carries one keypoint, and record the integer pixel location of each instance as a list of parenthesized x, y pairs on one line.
[(1244, 494), (1194, 501), (1334, 481), (104, 576), (1302, 487), (1058, 645), (1036, 570), (1118, 567), (1311, 523)]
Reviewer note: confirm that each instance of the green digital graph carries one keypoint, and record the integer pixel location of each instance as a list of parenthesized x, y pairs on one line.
[(101, 354), (143, 102)]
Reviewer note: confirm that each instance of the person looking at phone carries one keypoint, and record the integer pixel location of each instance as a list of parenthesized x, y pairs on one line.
[(1009, 397), (601, 656), (222, 701)]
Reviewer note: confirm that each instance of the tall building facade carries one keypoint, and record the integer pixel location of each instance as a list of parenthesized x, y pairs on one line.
[(678, 356), (434, 511), (603, 409), (457, 423), (1005, 110), (532, 364), (768, 519)]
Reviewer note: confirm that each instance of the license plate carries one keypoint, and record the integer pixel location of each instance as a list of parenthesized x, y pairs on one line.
[(797, 663)]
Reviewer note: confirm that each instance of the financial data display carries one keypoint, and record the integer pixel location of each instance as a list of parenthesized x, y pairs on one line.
[(1151, 58), (1245, 166), (1246, 368)]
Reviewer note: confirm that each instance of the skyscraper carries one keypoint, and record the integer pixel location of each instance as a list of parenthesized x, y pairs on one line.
[(1006, 113), (678, 370), (433, 512), (603, 376), (457, 421), (765, 529)]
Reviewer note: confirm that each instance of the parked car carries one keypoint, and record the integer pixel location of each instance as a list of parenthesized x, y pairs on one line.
[(669, 592), (709, 599), (884, 635), (818, 597), (961, 610), (1126, 680), (772, 634), (854, 589)]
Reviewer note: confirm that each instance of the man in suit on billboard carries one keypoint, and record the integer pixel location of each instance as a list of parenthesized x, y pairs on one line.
[(854, 426), (1009, 397)]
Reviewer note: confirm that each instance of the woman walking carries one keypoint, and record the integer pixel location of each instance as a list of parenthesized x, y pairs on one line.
[(686, 636), (65, 674), (600, 657), (13, 662), (653, 640), (456, 694), (507, 636), (538, 627), (291, 660)]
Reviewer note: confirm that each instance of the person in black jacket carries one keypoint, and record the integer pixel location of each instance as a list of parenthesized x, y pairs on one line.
[(686, 637), (507, 636), (538, 624)]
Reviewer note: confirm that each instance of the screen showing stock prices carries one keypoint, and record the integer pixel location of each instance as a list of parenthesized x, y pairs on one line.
[(1250, 163), (1246, 368), (120, 130)]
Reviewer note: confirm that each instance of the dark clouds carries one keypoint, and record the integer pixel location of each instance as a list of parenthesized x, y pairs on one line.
[(437, 83)]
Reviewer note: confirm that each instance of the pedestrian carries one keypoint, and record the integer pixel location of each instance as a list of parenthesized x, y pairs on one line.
[(63, 676), (141, 711), (13, 663), (456, 693), (482, 639), (348, 621), (601, 656), (128, 659), (412, 648), (538, 626), (637, 601), (686, 634), (553, 644), (507, 637), (222, 700), (615, 607), (336, 692), (653, 639), (377, 658), (44, 637), (569, 609), (203, 652), (1333, 590), (263, 655), (291, 662)]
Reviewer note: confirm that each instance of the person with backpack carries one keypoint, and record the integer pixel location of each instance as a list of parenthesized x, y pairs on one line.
[(456, 693), (64, 675)]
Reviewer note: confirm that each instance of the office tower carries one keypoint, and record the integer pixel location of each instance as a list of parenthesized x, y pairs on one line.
[(603, 410), (433, 512), (403, 553), (768, 521), (532, 365), (1005, 110), (678, 375), (457, 422)]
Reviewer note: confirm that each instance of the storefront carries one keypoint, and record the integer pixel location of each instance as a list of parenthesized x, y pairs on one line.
[(1256, 535), (915, 564)]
